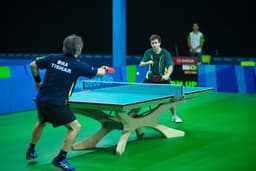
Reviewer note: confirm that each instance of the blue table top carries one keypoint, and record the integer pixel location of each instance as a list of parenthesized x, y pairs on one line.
[(130, 94)]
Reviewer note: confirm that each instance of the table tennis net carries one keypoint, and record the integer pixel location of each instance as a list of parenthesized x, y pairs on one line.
[(138, 88)]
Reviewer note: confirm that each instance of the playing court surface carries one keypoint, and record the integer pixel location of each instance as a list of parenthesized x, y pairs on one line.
[(220, 135)]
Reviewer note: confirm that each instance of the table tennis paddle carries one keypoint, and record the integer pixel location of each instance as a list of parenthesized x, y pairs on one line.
[(157, 78), (110, 70)]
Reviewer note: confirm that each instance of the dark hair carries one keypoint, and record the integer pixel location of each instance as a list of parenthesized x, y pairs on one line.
[(73, 45), (155, 37), (195, 23)]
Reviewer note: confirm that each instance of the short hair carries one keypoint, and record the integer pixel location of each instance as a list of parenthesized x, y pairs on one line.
[(73, 45), (155, 37)]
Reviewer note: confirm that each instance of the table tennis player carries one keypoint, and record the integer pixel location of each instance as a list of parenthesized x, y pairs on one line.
[(62, 71), (160, 65)]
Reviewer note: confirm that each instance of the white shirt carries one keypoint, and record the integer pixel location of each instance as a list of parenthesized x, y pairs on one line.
[(195, 40)]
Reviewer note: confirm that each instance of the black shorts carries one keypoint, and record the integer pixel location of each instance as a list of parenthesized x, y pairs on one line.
[(56, 115)]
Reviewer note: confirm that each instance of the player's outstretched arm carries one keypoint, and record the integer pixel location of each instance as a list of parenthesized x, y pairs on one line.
[(143, 64), (35, 73)]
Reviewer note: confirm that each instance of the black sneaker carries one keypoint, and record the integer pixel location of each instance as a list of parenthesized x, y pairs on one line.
[(30, 155), (63, 164)]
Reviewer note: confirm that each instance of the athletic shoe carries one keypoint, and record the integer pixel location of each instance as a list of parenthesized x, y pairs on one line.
[(176, 119), (30, 155), (63, 164)]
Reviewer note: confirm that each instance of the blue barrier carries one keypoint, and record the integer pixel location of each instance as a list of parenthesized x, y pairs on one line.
[(17, 94), (228, 78), (14, 62), (222, 60), (18, 91)]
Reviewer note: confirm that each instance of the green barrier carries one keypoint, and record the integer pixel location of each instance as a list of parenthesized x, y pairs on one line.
[(131, 73), (5, 72), (248, 63)]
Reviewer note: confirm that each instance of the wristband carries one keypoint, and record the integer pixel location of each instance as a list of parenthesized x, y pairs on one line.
[(37, 78), (106, 69)]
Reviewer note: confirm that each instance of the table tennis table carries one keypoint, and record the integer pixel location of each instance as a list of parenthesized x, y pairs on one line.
[(110, 104)]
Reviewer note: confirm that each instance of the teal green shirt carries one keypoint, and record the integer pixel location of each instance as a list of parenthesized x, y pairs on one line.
[(162, 61)]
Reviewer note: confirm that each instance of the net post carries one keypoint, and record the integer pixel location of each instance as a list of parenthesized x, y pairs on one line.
[(83, 85), (182, 91)]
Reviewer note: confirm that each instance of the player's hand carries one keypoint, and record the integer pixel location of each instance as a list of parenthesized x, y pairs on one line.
[(38, 85), (108, 69), (194, 50), (150, 62), (165, 77)]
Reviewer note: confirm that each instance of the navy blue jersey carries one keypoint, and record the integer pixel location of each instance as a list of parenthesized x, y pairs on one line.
[(61, 75)]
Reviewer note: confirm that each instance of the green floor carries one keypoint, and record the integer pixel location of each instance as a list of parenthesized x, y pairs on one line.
[(219, 130)]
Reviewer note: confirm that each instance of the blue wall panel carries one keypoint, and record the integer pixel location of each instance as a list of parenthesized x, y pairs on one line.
[(10, 62), (211, 78), (226, 78), (18, 91), (18, 71), (202, 76), (5, 95), (240, 75), (17, 94), (141, 73), (250, 79)]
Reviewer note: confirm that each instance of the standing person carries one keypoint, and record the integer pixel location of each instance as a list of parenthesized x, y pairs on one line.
[(196, 42), (160, 65), (62, 72), (160, 69)]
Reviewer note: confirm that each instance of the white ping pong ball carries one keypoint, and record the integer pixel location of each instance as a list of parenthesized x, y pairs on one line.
[(137, 73)]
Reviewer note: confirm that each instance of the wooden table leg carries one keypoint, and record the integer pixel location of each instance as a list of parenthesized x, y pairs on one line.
[(168, 132), (92, 141), (122, 142), (128, 124)]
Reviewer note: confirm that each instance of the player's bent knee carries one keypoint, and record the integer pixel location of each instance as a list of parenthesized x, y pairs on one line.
[(78, 126), (75, 126)]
